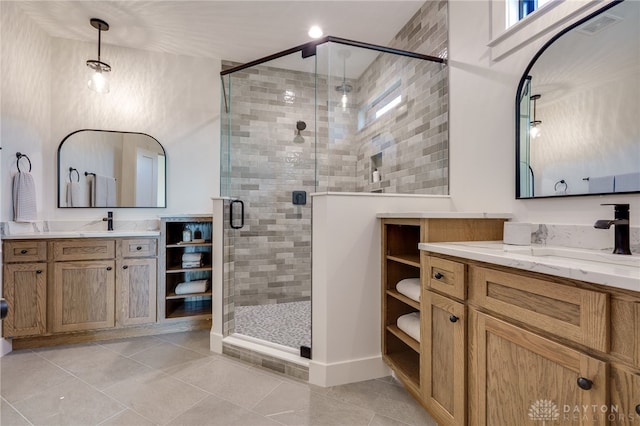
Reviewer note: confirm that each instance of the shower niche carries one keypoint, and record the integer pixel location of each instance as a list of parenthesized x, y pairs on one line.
[(316, 118)]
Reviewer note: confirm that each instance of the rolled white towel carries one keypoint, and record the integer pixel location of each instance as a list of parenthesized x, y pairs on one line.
[(189, 287), (410, 287), (192, 257), (410, 324)]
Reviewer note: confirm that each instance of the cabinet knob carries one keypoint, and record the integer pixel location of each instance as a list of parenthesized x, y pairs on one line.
[(24, 251), (453, 318), (125, 267), (138, 248), (109, 268), (638, 409), (584, 383), (38, 271), (438, 276)]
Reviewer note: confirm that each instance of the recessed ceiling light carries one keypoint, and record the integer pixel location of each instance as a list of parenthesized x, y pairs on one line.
[(315, 32)]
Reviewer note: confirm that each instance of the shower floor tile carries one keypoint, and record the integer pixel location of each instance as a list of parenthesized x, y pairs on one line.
[(287, 324)]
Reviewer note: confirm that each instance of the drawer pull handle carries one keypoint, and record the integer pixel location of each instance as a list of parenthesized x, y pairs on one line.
[(24, 251), (138, 248), (584, 383), (125, 267), (39, 271), (438, 276), (453, 318), (638, 409), (109, 268)]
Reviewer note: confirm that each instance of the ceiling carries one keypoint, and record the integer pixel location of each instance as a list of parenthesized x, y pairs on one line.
[(237, 30)]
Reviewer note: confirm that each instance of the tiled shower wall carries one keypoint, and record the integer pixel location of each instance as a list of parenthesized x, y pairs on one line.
[(271, 255)]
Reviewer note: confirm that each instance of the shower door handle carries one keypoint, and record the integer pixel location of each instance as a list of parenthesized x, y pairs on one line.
[(231, 222)]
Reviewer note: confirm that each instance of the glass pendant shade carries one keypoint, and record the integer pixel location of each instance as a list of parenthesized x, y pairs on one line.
[(99, 78)]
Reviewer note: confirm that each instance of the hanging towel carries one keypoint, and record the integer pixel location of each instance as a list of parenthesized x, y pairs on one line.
[(74, 195), (598, 185), (24, 198), (410, 324), (103, 191), (628, 182)]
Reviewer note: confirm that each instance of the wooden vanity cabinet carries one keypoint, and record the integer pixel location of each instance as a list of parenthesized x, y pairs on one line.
[(136, 287)]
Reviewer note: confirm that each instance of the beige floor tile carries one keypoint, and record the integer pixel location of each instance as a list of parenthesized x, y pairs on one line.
[(166, 355), (131, 346), (216, 412), (25, 374), (230, 381), (9, 416), (198, 341), (70, 403), (379, 420), (383, 398), (156, 396), (95, 364), (127, 418)]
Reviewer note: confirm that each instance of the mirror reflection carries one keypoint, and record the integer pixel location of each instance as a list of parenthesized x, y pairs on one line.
[(577, 110), (101, 168)]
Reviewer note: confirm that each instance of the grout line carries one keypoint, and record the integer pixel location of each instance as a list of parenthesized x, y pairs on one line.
[(16, 410)]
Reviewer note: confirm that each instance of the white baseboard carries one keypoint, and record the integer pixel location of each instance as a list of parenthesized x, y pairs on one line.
[(340, 373)]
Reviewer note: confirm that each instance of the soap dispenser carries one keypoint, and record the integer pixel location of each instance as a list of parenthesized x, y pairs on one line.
[(186, 235)]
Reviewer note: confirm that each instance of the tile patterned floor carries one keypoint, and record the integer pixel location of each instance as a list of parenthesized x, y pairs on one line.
[(287, 324), (173, 379)]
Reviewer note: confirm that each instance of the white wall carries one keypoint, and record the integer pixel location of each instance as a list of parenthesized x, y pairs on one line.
[(482, 126), (175, 99)]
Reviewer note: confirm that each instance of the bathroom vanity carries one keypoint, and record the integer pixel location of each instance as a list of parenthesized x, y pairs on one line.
[(68, 287), (508, 337)]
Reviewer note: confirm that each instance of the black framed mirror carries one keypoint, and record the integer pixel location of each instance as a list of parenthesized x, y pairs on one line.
[(577, 120), (105, 168)]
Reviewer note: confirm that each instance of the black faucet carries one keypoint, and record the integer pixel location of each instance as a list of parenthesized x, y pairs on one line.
[(109, 220), (621, 223)]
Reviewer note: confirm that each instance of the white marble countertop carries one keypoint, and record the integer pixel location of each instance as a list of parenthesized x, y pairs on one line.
[(444, 215), (594, 267), (80, 234)]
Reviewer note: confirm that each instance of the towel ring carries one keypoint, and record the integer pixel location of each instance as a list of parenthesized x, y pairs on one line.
[(71, 170), (562, 184), (19, 156)]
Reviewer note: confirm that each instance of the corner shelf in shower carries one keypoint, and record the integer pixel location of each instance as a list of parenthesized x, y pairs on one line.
[(182, 307)]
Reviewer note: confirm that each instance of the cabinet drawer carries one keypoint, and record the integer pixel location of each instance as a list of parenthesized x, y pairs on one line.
[(84, 249), (145, 247), (573, 313), (445, 276), (25, 251)]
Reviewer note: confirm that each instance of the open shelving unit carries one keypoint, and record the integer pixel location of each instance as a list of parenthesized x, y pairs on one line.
[(172, 306)]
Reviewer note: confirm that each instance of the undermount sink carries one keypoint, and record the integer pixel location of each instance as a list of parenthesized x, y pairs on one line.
[(578, 254)]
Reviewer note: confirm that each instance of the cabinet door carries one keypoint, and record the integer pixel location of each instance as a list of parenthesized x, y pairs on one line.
[(83, 295), (136, 293), (444, 353), (518, 377), (625, 397), (25, 288)]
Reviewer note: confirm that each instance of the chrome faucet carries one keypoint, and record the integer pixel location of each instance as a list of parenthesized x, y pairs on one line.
[(109, 220), (621, 223)]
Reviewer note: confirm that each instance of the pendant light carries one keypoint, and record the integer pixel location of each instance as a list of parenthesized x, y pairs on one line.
[(534, 130), (99, 80), (344, 87)]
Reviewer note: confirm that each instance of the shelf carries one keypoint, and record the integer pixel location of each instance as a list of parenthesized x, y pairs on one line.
[(178, 269), (183, 245), (171, 296), (408, 340), (404, 299), (407, 364), (190, 309), (410, 259)]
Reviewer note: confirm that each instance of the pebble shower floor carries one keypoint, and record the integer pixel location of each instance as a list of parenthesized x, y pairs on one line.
[(287, 324)]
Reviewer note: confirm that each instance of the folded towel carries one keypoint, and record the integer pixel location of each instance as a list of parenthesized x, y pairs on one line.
[(191, 264), (599, 185), (410, 324), (188, 287), (24, 198), (627, 182), (192, 257), (74, 195), (410, 287)]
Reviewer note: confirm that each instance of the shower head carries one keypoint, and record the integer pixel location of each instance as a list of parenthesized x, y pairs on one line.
[(300, 126), (344, 88)]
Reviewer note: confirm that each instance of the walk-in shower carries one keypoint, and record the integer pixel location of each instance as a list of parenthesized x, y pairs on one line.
[(320, 117)]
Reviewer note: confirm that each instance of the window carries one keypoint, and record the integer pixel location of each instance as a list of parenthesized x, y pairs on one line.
[(380, 105), (520, 9)]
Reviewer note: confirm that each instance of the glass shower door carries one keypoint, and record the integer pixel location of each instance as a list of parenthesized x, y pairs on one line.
[(268, 172)]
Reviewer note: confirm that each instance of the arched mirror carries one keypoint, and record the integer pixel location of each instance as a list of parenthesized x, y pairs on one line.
[(102, 168), (577, 109)]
